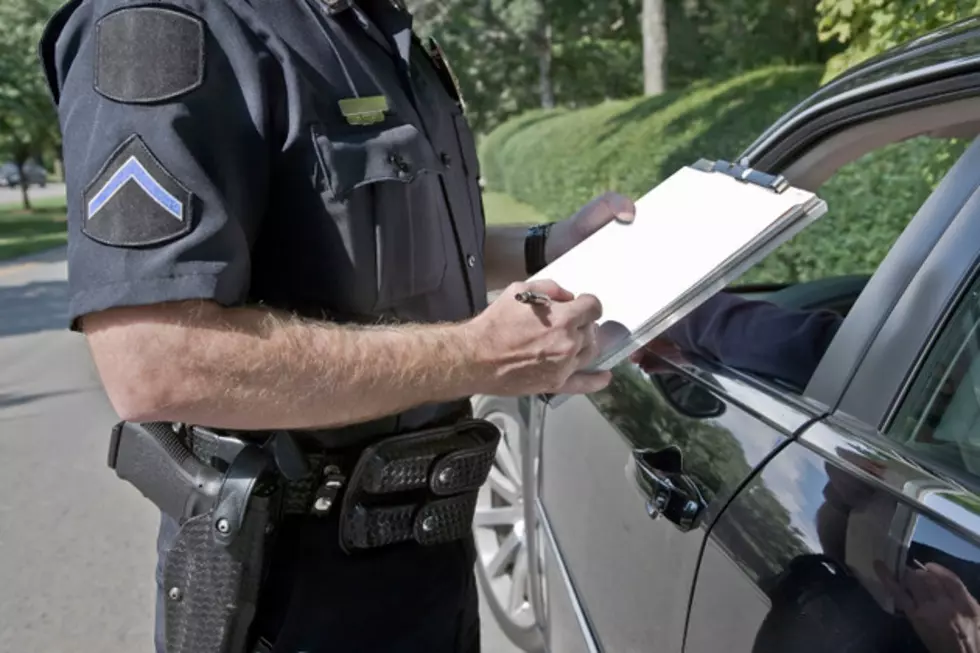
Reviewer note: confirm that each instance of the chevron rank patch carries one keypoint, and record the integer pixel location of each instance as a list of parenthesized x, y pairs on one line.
[(134, 201)]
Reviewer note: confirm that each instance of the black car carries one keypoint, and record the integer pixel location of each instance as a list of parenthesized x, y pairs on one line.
[(704, 508)]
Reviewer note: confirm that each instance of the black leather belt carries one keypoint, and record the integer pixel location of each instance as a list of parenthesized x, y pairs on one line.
[(419, 486)]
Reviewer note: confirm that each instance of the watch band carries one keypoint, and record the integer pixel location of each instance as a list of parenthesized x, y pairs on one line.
[(534, 248)]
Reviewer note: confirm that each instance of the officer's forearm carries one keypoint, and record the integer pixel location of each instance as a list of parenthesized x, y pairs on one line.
[(254, 369), (503, 256)]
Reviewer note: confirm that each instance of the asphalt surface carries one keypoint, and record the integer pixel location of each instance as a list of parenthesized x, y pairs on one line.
[(77, 545), (12, 195)]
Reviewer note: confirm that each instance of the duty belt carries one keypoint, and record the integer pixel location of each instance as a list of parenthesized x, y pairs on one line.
[(420, 486)]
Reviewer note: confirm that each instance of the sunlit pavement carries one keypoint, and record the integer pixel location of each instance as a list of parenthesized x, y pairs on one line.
[(77, 546), (13, 196)]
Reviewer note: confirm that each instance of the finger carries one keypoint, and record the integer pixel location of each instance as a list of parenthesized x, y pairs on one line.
[(549, 288), (952, 587), (923, 588), (585, 309), (903, 600), (583, 383), (619, 206), (590, 347)]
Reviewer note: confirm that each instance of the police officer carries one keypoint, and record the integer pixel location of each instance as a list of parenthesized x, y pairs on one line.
[(275, 223)]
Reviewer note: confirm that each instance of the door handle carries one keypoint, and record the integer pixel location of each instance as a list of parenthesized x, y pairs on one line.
[(668, 492)]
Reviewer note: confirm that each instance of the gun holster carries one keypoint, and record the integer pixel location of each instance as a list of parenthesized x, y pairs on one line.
[(214, 567)]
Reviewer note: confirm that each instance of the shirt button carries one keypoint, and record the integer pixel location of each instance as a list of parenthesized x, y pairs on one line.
[(471, 260), (446, 159), (401, 164)]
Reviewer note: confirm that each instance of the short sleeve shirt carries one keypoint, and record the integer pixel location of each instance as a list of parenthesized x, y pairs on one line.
[(303, 155)]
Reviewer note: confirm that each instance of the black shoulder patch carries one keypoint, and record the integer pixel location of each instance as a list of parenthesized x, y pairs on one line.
[(148, 54), (134, 201)]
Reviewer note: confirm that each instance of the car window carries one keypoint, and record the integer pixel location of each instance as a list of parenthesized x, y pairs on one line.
[(939, 418), (870, 201)]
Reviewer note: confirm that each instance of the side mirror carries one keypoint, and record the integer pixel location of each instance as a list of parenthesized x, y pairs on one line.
[(687, 397)]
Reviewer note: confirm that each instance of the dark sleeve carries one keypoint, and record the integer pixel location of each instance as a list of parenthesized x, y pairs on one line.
[(757, 337), (164, 114)]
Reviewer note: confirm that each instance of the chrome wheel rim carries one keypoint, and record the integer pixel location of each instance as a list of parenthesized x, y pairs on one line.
[(499, 528)]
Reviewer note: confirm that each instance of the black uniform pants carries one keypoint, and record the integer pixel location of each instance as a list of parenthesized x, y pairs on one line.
[(404, 598)]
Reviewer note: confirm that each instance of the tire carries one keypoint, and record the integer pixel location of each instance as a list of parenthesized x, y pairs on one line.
[(503, 553)]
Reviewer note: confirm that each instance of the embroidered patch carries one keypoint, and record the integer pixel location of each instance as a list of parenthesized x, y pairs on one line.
[(134, 201), (148, 54)]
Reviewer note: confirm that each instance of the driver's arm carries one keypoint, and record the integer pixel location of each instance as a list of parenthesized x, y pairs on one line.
[(757, 337)]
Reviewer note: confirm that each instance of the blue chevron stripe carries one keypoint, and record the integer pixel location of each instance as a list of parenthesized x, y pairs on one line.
[(133, 170)]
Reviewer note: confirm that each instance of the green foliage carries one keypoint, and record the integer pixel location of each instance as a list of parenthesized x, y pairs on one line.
[(596, 49), (495, 47), (869, 27), (870, 202), (556, 161), (734, 36), (28, 122)]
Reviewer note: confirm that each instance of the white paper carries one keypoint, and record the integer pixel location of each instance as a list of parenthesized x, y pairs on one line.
[(686, 229)]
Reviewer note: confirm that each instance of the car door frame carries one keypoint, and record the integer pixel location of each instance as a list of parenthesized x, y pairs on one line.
[(870, 363)]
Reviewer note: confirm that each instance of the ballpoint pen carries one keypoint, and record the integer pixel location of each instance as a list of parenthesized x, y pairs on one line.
[(531, 297)]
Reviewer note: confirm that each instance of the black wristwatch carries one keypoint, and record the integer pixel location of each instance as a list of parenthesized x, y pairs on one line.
[(534, 248)]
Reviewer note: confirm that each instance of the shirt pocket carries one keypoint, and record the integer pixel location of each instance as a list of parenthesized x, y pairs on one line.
[(384, 191)]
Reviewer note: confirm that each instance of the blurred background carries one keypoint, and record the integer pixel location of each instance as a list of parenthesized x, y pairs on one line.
[(569, 98)]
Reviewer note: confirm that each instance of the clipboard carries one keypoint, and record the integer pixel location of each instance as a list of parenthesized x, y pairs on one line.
[(695, 233)]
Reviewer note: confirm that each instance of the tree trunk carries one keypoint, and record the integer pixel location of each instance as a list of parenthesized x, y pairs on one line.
[(654, 21), (544, 71), (545, 56), (23, 186)]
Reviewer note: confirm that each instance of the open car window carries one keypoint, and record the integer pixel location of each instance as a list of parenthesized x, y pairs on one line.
[(870, 202)]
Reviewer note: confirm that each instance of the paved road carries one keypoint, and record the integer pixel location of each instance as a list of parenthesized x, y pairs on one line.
[(76, 544), (12, 195)]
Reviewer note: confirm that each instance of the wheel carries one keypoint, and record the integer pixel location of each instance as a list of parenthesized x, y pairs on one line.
[(499, 530)]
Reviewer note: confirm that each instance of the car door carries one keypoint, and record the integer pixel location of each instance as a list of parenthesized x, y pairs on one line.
[(876, 514), (620, 567)]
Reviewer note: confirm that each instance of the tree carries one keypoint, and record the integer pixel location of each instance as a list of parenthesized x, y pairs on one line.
[(654, 47), (28, 121), (515, 55), (723, 38), (869, 27)]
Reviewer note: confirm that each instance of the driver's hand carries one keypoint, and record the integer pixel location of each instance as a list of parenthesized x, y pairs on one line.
[(939, 606), (651, 357)]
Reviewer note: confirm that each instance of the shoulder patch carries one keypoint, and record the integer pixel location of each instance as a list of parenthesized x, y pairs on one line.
[(134, 201), (148, 54)]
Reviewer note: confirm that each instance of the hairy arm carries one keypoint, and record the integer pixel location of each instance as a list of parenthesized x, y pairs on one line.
[(245, 368)]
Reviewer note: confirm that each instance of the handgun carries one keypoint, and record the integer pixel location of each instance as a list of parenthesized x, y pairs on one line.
[(153, 458)]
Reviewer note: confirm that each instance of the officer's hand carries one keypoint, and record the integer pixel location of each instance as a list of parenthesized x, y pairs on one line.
[(570, 232), (532, 349)]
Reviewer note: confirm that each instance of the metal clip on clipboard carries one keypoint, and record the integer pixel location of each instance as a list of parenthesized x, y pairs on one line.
[(707, 231), (775, 183)]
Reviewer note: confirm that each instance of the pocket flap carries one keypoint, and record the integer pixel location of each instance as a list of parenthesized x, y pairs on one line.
[(353, 157)]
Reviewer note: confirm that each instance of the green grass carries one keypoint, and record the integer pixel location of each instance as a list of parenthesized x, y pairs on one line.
[(502, 209), (25, 232)]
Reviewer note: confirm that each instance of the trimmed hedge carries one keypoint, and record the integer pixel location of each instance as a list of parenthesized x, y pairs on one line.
[(557, 160)]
